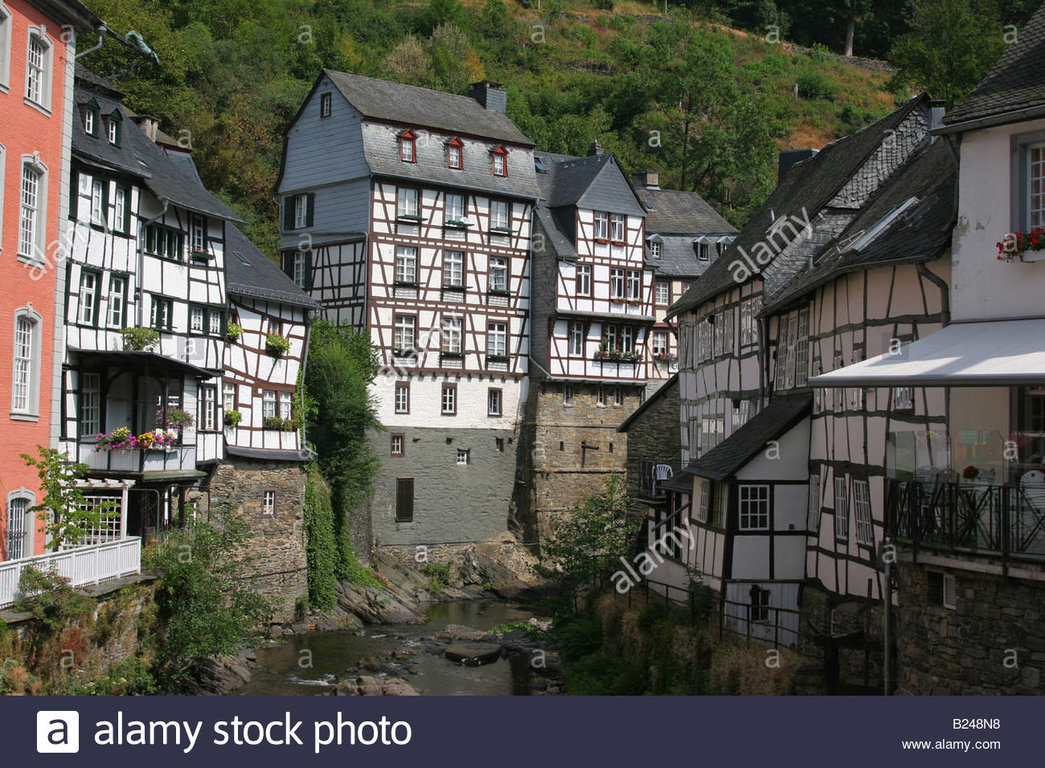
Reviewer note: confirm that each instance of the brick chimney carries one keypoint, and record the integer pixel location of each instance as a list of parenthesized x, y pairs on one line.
[(595, 149), (491, 95), (646, 180)]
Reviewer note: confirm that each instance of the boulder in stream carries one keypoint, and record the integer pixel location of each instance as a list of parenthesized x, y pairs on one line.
[(473, 654)]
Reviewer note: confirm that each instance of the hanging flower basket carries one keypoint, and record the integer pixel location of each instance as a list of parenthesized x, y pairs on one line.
[(232, 332), (277, 345), (1019, 245)]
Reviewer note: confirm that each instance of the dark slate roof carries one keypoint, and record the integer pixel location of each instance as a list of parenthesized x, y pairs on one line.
[(169, 175), (665, 388), (250, 273), (726, 458), (381, 150), (411, 105), (809, 186), (921, 232), (676, 212), (596, 182), (678, 257), (557, 239), (1017, 81)]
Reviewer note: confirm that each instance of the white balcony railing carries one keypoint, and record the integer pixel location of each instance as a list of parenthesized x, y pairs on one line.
[(176, 458), (83, 565)]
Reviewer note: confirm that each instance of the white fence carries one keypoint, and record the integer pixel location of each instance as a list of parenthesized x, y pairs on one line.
[(83, 565)]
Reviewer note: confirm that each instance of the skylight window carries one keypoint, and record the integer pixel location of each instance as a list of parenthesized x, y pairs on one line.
[(883, 224)]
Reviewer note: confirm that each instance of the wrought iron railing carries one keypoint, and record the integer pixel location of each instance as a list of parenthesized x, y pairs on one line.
[(1005, 520)]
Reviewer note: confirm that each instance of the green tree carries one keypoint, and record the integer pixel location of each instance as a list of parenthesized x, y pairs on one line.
[(341, 366), (593, 535), (949, 50), (206, 601), (67, 515)]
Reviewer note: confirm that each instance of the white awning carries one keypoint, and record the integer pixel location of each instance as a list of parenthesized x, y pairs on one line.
[(984, 354)]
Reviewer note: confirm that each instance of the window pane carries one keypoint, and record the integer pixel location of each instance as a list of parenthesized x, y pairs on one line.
[(29, 210), (23, 365)]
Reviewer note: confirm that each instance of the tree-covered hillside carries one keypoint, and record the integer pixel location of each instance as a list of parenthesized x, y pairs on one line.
[(678, 92)]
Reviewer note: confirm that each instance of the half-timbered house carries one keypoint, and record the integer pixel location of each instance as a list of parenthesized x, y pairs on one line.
[(145, 316), (592, 310), (407, 213), (684, 235), (820, 272), (966, 498)]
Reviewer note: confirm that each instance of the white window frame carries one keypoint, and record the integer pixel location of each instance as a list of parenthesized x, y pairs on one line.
[(862, 508), (402, 397), (584, 279), (208, 408), (397, 445), (198, 233), (841, 509), (577, 339), (662, 294), (654, 249), (268, 503), (89, 422), (197, 320), (500, 164), (88, 121), (500, 216), (269, 406), (407, 203), (617, 227), (286, 405), (406, 264), (298, 267), (455, 207), (462, 457), (119, 209), (497, 339), (300, 211), (448, 400), (802, 349), (498, 273), (6, 23), (659, 344), (452, 335), (404, 326), (228, 396), (97, 202), (37, 212), (601, 230), (455, 157), (753, 501), (704, 505), (494, 402), (112, 131), (453, 268), (41, 97), (634, 285), (618, 280), (25, 404), (87, 300)]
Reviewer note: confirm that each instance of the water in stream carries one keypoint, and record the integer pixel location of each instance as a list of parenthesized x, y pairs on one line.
[(284, 671)]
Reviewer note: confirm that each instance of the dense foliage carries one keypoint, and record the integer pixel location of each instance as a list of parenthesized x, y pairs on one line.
[(206, 602), (320, 542), (66, 514), (341, 366)]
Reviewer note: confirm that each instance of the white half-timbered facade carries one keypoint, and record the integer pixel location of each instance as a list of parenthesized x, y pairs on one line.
[(407, 215), (841, 268), (146, 254)]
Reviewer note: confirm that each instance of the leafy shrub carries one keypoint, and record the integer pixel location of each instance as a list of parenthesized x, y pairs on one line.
[(50, 598), (816, 85), (602, 5), (277, 345), (140, 339), (438, 577), (320, 542)]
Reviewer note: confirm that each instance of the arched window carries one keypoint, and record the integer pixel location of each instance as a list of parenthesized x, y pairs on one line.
[(32, 216), (38, 69), (18, 541), (25, 371), (5, 46)]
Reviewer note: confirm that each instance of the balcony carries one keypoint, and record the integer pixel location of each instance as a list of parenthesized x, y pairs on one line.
[(82, 565), (649, 472), (1006, 521), (178, 458)]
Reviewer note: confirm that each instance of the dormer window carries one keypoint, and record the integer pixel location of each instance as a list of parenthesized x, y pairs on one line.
[(90, 118), (654, 249), (500, 161), (112, 127), (408, 147), (455, 154)]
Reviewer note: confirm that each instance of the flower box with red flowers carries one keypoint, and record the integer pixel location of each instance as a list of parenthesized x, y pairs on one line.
[(1025, 246)]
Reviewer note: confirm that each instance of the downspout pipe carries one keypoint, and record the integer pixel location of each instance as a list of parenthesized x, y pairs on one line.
[(101, 29)]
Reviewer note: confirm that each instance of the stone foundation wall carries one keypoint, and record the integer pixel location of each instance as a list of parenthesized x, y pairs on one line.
[(992, 642), (573, 448), (277, 543), (857, 666)]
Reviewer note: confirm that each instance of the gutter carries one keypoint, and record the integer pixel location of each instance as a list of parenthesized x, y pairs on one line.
[(1015, 116)]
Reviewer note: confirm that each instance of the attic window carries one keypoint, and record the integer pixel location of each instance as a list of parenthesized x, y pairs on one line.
[(654, 249), (325, 105), (500, 161), (408, 146), (455, 154), (112, 127), (540, 165), (883, 224), (91, 117)]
